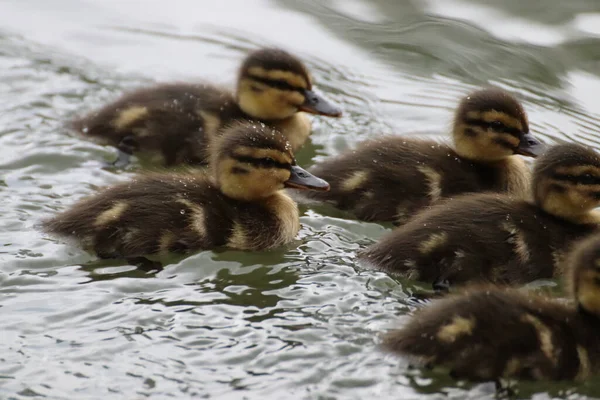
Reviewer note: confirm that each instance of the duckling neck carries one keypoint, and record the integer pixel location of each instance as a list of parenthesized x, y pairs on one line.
[(286, 211), (296, 128)]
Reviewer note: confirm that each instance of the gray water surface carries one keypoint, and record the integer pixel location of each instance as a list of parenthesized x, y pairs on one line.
[(301, 322)]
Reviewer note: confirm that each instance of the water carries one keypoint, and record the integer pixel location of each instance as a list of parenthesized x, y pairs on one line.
[(299, 322)]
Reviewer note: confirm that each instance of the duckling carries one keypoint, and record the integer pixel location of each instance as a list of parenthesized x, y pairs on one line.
[(489, 332), (177, 121), (497, 237), (391, 178), (239, 205)]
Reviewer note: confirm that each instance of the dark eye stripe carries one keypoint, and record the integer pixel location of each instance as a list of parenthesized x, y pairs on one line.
[(585, 179), (277, 83), (262, 162), (505, 143), (497, 126)]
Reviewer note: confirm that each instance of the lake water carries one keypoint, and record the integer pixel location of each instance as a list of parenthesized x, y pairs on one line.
[(302, 322)]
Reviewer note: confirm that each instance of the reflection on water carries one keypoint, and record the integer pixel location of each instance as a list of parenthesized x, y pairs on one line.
[(299, 322)]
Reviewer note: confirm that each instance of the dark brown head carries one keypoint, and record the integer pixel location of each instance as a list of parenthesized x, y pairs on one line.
[(490, 125), (583, 278), (252, 161), (273, 84), (566, 181)]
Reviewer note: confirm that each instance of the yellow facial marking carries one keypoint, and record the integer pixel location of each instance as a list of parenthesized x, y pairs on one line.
[(112, 214), (291, 78), (129, 116), (544, 336), (212, 123), (258, 183), (459, 326), (585, 369), (435, 240), (491, 116), (238, 238), (296, 129), (276, 155), (434, 181), (197, 218), (355, 181), (517, 239), (267, 103)]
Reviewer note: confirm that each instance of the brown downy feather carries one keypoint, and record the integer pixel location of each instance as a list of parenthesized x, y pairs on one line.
[(495, 237), (487, 332)]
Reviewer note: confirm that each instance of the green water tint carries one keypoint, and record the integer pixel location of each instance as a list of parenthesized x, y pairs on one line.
[(298, 322)]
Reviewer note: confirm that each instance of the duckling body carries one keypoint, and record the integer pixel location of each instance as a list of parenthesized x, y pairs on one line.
[(496, 237), (177, 122), (239, 205), (487, 333), (391, 178)]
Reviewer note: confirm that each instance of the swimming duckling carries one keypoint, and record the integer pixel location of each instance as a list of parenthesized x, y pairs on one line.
[(496, 237), (240, 206), (490, 332), (177, 121), (391, 178)]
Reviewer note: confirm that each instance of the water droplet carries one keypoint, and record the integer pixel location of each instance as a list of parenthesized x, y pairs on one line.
[(182, 211)]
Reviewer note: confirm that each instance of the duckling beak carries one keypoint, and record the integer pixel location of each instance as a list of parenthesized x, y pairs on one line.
[(302, 179), (316, 104), (530, 146)]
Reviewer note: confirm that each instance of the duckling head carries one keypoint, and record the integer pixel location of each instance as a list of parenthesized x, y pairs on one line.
[(274, 85), (583, 279), (490, 125), (566, 181), (252, 161)]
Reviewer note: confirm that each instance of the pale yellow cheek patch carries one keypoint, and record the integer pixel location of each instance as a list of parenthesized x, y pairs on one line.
[(459, 326), (355, 181), (279, 75), (434, 182), (112, 214), (435, 240), (129, 116)]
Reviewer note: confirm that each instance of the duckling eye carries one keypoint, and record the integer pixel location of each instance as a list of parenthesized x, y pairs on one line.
[(269, 162), (587, 179), (497, 125)]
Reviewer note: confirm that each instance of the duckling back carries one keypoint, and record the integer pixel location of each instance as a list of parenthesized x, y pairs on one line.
[(174, 121), (392, 178), (488, 333)]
